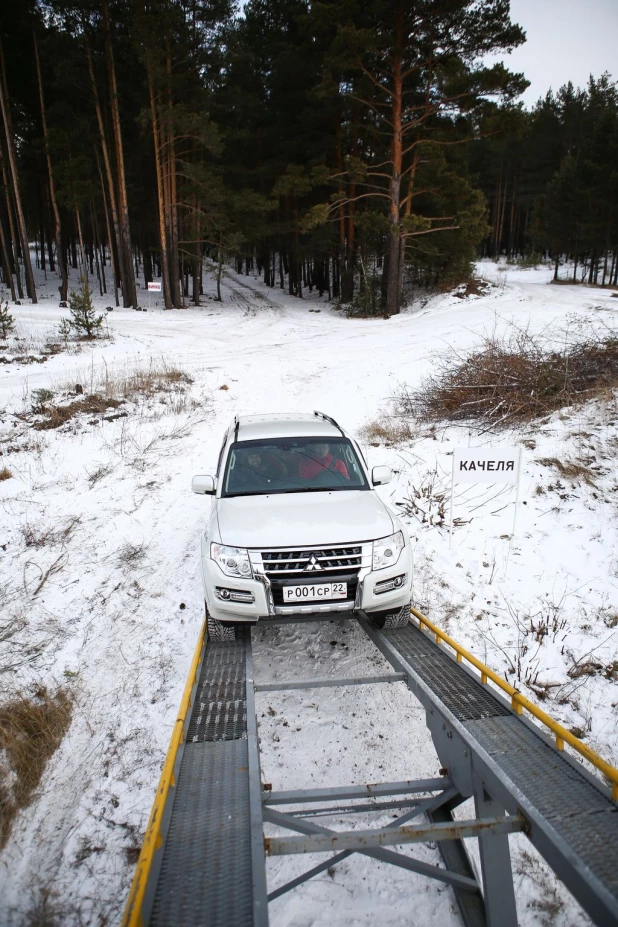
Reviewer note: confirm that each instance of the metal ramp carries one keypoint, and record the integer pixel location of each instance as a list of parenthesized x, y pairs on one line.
[(503, 760), (203, 859), (208, 868)]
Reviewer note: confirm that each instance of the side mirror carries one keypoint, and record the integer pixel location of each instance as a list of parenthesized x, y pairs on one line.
[(205, 485), (381, 475)]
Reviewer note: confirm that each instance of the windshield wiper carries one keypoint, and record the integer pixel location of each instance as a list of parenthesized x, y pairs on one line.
[(259, 492), (313, 489)]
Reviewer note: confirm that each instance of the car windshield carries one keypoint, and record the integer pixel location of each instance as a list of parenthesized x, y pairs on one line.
[(282, 465)]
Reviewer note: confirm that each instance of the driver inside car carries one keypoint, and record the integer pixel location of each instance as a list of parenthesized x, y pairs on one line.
[(319, 458), (256, 469), (252, 471)]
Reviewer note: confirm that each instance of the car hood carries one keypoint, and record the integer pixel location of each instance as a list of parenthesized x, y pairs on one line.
[(303, 519)]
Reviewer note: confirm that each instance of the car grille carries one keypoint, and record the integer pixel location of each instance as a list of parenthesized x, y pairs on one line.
[(311, 563), (326, 564)]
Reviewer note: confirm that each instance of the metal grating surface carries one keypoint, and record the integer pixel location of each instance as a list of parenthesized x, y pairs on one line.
[(220, 706), (467, 699), (582, 816), (205, 878)]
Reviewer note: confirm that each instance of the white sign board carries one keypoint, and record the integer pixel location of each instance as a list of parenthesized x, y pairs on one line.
[(154, 287), (486, 465)]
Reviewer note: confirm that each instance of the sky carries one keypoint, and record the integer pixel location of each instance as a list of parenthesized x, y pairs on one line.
[(566, 40)]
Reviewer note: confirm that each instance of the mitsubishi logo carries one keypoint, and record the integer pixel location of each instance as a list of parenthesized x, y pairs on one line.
[(312, 565)]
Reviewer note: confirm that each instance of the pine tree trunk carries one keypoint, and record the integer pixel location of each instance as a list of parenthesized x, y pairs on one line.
[(84, 270), (167, 296), (130, 295), (197, 254), (502, 214), (119, 268), (393, 294), (173, 201), (10, 145), (346, 296), (6, 262), (110, 238), (62, 267), (614, 268)]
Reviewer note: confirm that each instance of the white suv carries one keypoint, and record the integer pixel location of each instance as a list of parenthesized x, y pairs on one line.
[(296, 528)]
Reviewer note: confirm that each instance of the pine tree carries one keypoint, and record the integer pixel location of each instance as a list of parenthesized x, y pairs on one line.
[(414, 67), (7, 322), (84, 318)]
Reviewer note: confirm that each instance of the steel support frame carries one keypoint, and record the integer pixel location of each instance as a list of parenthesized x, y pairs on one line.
[(457, 873), (457, 755), (471, 768), (448, 795), (483, 828)]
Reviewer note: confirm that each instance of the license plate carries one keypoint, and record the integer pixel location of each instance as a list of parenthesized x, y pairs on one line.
[(314, 592)]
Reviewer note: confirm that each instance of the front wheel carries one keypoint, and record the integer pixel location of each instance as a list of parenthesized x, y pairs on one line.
[(390, 620), (220, 631)]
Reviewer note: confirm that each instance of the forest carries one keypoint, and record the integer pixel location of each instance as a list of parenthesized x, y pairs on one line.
[(365, 149)]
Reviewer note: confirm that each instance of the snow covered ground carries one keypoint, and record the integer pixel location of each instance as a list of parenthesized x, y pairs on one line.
[(100, 590)]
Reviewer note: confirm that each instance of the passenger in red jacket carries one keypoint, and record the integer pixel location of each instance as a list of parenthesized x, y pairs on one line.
[(319, 459)]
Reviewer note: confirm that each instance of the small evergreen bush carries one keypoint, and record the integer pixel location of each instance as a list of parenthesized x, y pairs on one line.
[(7, 322), (84, 318), (64, 330)]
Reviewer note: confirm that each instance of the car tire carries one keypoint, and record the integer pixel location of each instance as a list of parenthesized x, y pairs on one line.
[(220, 631), (389, 620)]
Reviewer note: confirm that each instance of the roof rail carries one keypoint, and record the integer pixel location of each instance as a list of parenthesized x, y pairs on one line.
[(332, 421), (236, 427)]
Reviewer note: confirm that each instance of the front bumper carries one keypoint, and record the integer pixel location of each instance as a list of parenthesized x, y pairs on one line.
[(259, 588)]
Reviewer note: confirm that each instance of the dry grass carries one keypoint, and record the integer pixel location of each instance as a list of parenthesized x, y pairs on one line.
[(132, 382), (31, 730), (514, 380), (5, 474), (157, 378), (387, 431), (570, 469), (56, 416), (107, 391)]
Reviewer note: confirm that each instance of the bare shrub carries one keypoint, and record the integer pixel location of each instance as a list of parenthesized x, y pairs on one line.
[(31, 730), (514, 380), (99, 473), (386, 430), (546, 900), (131, 555), (427, 501), (5, 473), (46, 535), (45, 909)]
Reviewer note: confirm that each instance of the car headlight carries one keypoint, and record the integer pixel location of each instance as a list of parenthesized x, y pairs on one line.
[(234, 561), (386, 551)]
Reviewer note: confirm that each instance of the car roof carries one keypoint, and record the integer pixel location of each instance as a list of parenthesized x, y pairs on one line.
[(292, 425)]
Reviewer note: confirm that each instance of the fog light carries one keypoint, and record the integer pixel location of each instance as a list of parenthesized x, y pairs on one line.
[(234, 595), (387, 585)]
